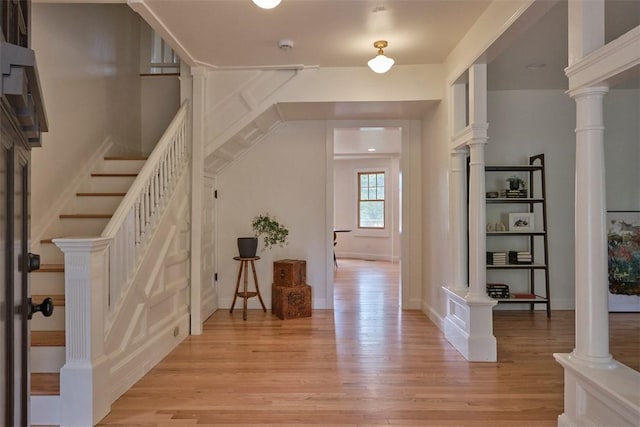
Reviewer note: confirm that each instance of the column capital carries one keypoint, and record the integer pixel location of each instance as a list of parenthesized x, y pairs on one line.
[(460, 151), (475, 131), (584, 92), (477, 142)]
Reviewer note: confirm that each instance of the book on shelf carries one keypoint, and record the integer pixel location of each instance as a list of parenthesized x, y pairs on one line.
[(520, 257), (513, 194), (498, 290), (496, 258)]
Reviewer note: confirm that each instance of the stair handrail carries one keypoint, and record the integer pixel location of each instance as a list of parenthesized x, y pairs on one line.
[(135, 219)]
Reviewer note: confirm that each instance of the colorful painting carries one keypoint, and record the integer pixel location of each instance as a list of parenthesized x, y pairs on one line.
[(623, 236)]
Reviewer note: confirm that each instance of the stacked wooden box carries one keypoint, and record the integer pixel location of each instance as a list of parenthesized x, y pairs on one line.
[(290, 294)]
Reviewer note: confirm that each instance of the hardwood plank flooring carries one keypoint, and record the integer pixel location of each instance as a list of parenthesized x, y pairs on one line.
[(366, 363)]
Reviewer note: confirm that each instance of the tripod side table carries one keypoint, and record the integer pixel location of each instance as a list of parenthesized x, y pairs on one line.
[(245, 294)]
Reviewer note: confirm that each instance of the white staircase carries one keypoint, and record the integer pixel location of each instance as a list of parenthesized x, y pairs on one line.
[(116, 262), (86, 214)]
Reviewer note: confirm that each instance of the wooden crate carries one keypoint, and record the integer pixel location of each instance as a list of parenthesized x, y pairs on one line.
[(291, 302), (289, 272)]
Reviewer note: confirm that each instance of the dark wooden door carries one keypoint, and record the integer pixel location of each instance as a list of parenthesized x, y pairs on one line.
[(14, 157)]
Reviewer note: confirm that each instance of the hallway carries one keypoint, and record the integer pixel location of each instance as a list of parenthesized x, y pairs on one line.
[(365, 363)]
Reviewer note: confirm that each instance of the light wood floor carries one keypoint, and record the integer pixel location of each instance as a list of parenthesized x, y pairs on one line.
[(366, 363)]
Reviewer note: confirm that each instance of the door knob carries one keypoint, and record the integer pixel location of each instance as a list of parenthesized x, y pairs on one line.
[(45, 307), (33, 262)]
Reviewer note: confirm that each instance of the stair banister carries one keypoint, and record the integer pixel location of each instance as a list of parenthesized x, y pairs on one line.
[(98, 272), (133, 222)]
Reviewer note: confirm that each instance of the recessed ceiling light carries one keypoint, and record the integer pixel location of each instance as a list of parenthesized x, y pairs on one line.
[(267, 4), (371, 150), (535, 66)]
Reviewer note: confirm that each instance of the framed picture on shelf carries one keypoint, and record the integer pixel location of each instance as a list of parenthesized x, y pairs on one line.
[(623, 253), (521, 221)]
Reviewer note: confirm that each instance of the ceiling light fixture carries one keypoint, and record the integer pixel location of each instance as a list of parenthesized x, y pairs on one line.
[(380, 64), (371, 150), (267, 4)]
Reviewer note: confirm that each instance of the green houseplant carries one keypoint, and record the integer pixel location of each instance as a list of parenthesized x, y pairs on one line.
[(515, 182), (267, 227), (272, 232)]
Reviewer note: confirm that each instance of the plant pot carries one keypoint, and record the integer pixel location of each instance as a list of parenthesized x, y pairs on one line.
[(514, 185), (247, 246)]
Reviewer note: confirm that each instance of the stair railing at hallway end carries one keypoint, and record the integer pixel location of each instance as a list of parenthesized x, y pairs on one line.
[(99, 273), (134, 221)]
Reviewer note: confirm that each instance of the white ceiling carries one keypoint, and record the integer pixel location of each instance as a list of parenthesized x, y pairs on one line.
[(357, 141), (339, 33), (325, 33), (537, 59)]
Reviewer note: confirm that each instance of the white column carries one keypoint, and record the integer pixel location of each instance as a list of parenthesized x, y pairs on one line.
[(468, 325), (587, 28), (458, 221), (197, 185), (592, 316), (84, 378), (477, 215)]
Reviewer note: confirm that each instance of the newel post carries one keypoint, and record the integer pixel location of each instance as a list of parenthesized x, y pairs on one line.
[(84, 391)]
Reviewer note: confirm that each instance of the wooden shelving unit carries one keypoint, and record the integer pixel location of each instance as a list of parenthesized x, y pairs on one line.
[(536, 240)]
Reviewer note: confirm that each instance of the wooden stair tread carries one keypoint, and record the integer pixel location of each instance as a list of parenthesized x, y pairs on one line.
[(101, 194), (114, 174), (47, 339), (125, 158), (50, 268), (85, 216), (58, 300), (45, 384)]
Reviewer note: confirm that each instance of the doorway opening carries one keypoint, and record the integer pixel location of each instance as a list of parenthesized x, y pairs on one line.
[(367, 195)]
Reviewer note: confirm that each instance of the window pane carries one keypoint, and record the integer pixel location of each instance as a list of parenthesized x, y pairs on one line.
[(372, 214), (371, 204)]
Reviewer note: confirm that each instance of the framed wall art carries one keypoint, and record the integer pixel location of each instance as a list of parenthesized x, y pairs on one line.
[(623, 248), (521, 221)]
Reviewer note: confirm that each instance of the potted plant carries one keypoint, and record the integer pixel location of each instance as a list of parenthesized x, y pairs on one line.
[(515, 182), (267, 227)]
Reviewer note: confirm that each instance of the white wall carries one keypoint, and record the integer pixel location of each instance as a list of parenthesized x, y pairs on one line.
[(521, 124), (88, 61), (622, 149), (358, 244), (160, 98), (284, 175), (435, 202)]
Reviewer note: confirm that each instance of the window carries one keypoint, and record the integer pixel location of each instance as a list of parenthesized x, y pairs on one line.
[(371, 200), (163, 59)]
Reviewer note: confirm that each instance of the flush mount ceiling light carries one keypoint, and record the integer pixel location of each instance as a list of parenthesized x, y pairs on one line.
[(267, 4), (380, 64)]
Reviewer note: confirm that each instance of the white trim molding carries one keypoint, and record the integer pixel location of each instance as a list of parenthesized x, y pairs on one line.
[(604, 64)]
